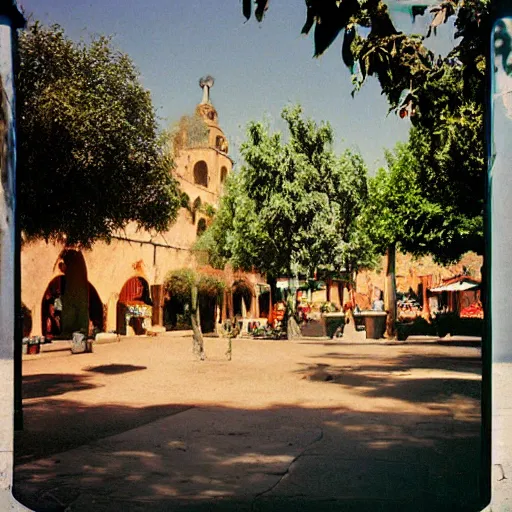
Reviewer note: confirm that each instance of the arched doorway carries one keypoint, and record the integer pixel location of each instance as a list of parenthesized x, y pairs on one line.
[(174, 315), (65, 303), (51, 318), (242, 297), (207, 312), (264, 303), (134, 306)]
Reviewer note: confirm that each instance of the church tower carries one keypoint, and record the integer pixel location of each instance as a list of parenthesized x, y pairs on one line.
[(201, 154)]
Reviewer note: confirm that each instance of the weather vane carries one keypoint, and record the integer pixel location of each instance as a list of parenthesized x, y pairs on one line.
[(206, 83)]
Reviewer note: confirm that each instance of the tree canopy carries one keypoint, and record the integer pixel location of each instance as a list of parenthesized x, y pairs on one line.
[(400, 212), (90, 158), (294, 207), (442, 96)]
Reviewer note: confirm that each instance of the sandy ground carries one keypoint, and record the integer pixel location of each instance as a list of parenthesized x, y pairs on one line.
[(305, 420)]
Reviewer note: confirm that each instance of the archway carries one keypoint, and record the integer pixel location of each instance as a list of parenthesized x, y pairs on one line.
[(51, 320), (201, 173), (223, 174), (134, 306), (207, 310), (201, 227), (264, 303), (242, 291), (174, 315), (65, 303)]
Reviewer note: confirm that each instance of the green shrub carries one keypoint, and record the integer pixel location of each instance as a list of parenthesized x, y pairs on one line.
[(211, 286), (328, 307), (178, 284), (442, 324), (332, 324), (418, 327), (451, 323)]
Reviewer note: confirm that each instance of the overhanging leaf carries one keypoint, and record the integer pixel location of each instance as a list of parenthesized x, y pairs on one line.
[(346, 50), (247, 8), (261, 7), (326, 31), (310, 19), (418, 10), (331, 18)]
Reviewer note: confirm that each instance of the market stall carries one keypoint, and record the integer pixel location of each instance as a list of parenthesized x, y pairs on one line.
[(137, 316), (459, 295)]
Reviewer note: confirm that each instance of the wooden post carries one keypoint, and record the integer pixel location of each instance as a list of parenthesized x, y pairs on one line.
[(224, 307), (157, 297), (426, 282), (341, 286), (390, 294), (256, 301)]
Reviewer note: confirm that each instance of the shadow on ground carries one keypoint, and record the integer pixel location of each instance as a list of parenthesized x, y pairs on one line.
[(279, 458), (50, 384), (464, 342), (54, 426), (397, 379), (115, 369), (435, 361)]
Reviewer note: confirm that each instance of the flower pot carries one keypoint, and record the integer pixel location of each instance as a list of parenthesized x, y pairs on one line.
[(33, 348)]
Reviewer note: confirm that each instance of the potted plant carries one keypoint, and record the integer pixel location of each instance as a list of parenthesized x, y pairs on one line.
[(33, 346)]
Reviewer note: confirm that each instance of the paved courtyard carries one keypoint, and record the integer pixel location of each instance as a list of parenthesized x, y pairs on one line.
[(310, 425)]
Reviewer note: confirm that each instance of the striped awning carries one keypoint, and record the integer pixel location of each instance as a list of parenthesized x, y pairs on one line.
[(455, 287)]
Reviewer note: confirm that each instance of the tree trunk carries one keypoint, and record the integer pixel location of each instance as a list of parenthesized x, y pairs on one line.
[(292, 327), (341, 286), (272, 281), (391, 292), (197, 339)]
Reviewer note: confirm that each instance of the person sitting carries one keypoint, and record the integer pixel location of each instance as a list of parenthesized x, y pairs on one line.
[(52, 326), (378, 304)]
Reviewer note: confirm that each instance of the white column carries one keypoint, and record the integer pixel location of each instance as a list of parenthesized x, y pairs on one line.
[(7, 267), (7, 247)]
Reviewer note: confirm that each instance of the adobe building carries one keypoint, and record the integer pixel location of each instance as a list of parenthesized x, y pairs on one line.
[(416, 275), (118, 287)]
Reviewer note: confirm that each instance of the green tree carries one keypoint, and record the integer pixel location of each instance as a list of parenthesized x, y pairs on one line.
[(90, 158), (293, 208), (401, 216), (442, 96), (395, 216), (188, 287)]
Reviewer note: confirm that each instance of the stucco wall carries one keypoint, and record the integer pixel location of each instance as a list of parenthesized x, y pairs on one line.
[(185, 173), (132, 252), (109, 266)]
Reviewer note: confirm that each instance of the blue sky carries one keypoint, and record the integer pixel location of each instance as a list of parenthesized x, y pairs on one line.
[(258, 68)]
